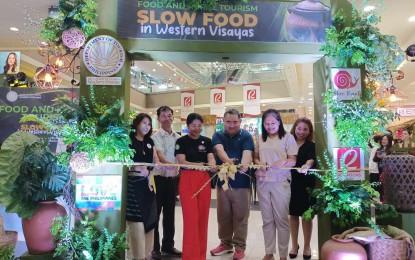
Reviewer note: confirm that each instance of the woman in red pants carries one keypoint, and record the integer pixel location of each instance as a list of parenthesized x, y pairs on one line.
[(194, 149)]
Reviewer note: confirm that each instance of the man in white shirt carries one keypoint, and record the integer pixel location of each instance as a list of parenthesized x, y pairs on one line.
[(166, 183)]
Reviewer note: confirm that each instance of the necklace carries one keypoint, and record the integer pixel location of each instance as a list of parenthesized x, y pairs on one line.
[(141, 145)]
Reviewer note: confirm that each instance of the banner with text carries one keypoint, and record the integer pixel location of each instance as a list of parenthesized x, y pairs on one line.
[(251, 22), (187, 104), (347, 83), (16, 102), (354, 161), (217, 101), (252, 97)]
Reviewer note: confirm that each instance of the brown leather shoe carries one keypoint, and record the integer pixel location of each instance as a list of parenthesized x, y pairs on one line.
[(156, 255), (172, 251)]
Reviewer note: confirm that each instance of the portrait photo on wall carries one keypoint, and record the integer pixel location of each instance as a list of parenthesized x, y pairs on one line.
[(10, 62)]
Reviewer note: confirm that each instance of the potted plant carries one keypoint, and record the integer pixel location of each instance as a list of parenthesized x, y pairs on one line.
[(349, 202), (31, 180)]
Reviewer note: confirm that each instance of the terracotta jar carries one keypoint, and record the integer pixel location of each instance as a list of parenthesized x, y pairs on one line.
[(338, 249), (36, 230)]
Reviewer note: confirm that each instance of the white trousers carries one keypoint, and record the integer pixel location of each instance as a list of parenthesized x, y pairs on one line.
[(140, 243), (274, 201)]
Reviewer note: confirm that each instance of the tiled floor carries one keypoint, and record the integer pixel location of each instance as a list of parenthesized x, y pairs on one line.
[(255, 242)]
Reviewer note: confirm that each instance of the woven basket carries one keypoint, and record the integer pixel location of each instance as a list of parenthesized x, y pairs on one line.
[(7, 238), (399, 182), (387, 249)]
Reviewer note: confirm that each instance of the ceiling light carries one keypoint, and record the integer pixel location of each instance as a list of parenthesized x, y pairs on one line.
[(412, 19), (150, 113), (310, 99), (177, 111), (174, 74), (310, 93), (177, 88), (14, 29), (369, 8), (263, 105), (154, 70), (301, 102), (310, 85)]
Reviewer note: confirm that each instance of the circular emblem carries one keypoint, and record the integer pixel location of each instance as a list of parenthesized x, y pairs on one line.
[(103, 56), (201, 148), (73, 38), (149, 146), (12, 96), (177, 147)]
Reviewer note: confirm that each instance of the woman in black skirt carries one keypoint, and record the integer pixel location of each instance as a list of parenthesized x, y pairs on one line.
[(141, 213), (301, 184)]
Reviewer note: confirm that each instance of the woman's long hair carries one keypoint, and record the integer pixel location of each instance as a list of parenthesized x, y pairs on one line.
[(7, 66), (277, 116), (137, 120)]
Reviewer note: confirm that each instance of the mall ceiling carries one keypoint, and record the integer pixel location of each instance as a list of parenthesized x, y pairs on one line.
[(25, 15)]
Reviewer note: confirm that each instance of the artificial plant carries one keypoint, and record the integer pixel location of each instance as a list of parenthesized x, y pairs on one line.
[(86, 242), (356, 120), (94, 127), (29, 173), (80, 14), (356, 41), (7, 253), (349, 201)]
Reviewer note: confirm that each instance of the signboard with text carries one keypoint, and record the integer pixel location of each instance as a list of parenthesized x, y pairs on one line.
[(187, 103), (407, 111), (353, 160), (248, 22), (251, 100), (347, 83), (17, 102), (217, 101), (98, 192)]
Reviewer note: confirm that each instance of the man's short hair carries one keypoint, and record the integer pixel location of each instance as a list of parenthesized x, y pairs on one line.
[(232, 111), (164, 109)]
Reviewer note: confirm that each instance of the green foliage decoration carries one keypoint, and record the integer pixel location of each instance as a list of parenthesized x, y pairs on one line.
[(95, 126), (29, 173), (356, 40), (6, 253), (79, 14), (349, 201), (86, 242), (356, 120)]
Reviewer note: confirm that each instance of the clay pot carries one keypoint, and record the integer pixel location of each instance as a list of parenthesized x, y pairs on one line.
[(336, 249), (36, 230)]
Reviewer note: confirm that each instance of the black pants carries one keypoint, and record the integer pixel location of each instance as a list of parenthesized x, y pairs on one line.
[(375, 177), (166, 191)]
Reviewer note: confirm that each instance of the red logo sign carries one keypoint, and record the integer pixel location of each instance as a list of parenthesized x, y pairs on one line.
[(217, 98), (351, 157), (344, 80), (251, 94), (187, 101)]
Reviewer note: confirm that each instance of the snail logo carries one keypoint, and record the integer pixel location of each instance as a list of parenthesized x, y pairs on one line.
[(104, 56), (217, 98), (251, 94), (187, 101), (343, 80)]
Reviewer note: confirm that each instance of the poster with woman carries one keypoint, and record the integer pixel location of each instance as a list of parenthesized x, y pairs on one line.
[(9, 62)]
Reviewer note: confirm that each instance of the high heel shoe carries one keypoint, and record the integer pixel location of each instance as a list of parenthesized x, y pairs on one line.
[(292, 256), (307, 257)]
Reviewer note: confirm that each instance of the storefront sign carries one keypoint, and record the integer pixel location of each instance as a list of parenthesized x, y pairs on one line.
[(249, 22), (354, 161), (103, 81), (252, 97), (98, 192), (187, 104), (217, 101), (103, 55), (347, 83), (406, 111)]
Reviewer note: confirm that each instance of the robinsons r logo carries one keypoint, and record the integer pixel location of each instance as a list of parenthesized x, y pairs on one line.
[(103, 56)]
